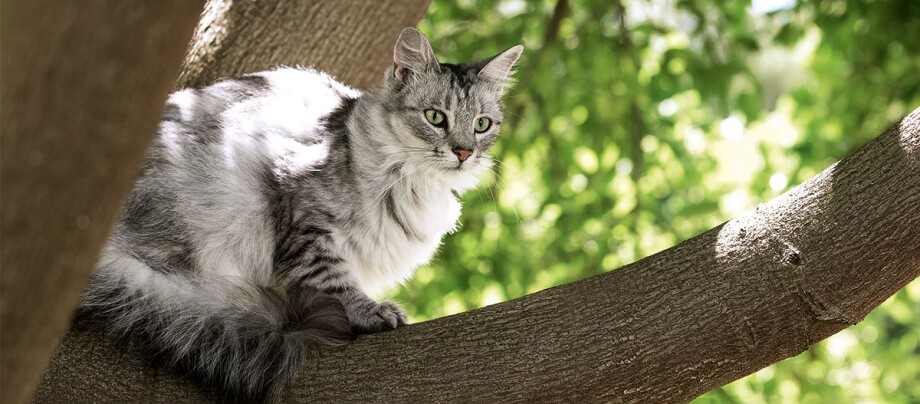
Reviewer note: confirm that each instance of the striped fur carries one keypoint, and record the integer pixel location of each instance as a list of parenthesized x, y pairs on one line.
[(274, 206)]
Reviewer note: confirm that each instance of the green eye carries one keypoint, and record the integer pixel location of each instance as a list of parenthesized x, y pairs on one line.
[(483, 124), (435, 117)]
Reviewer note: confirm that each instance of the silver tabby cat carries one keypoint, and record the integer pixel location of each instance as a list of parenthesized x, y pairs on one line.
[(272, 207)]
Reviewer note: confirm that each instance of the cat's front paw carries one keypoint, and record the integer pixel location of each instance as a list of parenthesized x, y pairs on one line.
[(379, 317)]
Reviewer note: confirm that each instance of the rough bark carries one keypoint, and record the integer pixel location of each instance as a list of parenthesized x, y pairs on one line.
[(353, 41), (760, 288), (83, 84)]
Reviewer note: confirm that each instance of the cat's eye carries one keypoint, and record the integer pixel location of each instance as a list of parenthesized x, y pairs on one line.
[(435, 117), (482, 124)]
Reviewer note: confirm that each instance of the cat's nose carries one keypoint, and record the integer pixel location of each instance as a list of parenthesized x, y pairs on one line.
[(462, 154)]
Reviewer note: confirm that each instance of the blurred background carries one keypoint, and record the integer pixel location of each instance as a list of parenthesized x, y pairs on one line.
[(637, 124)]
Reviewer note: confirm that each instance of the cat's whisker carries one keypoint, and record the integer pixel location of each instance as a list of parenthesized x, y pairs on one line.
[(497, 212), (503, 186)]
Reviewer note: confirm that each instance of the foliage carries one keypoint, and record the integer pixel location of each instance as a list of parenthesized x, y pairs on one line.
[(638, 124)]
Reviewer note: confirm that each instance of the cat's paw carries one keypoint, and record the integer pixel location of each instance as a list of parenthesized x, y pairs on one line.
[(379, 317)]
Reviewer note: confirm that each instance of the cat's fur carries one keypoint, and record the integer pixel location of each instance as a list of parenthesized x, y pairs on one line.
[(273, 206)]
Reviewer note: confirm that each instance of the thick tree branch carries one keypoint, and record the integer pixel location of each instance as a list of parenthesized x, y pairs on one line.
[(760, 288), (83, 85), (353, 41)]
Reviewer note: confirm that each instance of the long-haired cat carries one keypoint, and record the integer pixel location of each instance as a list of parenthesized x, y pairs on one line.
[(273, 206)]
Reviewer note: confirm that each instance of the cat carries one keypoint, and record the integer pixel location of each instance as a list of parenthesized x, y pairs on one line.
[(273, 206)]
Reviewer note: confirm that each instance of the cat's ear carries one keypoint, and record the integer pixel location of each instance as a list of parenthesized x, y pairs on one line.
[(499, 67), (412, 53)]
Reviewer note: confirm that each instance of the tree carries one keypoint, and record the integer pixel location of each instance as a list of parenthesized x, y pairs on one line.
[(747, 295), (83, 86), (760, 288)]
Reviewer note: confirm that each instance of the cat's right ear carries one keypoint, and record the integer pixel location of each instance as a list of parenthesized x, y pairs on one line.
[(412, 53)]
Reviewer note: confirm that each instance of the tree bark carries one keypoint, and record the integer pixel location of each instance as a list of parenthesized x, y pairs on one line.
[(83, 85), (353, 41), (753, 291), (760, 288)]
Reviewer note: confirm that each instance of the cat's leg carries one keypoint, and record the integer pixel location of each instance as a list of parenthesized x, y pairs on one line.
[(364, 314), (367, 315)]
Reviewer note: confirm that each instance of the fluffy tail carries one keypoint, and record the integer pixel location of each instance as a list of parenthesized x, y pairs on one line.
[(247, 342)]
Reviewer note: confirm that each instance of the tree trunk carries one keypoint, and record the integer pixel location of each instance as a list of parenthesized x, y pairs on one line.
[(83, 86), (353, 41), (758, 289)]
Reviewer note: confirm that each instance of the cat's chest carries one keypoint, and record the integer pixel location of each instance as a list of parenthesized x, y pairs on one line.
[(404, 237)]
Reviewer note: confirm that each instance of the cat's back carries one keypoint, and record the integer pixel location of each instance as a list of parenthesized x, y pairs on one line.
[(238, 124), (219, 141), (286, 101), (205, 177), (294, 101)]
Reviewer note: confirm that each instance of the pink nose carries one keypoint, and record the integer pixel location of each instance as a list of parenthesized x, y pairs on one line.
[(462, 154)]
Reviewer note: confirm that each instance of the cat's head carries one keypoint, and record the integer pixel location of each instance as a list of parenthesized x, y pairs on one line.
[(443, 115)]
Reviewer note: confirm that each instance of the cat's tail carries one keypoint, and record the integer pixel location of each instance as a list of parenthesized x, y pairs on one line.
[(246, 341)]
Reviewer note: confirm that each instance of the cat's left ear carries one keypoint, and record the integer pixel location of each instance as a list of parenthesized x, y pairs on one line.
[(412, 53), (499, 67)]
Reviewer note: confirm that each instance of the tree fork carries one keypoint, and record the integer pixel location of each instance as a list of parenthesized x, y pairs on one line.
[(760, 288), (83, 88)]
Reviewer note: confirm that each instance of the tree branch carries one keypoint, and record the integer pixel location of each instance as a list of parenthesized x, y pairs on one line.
[(760, 288)]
